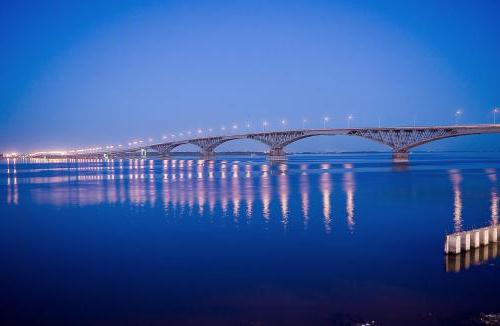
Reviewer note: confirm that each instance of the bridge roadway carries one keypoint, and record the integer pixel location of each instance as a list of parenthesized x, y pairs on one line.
[(399, 139)]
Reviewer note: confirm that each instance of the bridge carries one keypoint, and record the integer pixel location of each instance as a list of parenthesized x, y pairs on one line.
[(400, 140)]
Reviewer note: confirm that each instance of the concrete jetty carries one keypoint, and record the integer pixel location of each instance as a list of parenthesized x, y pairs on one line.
[(458, 242)]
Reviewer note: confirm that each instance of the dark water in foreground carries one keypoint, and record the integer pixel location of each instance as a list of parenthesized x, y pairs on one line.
[(318, 240)]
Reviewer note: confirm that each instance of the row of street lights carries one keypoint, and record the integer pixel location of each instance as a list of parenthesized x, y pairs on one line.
[(283, 123), (460, 112), (233, 128)]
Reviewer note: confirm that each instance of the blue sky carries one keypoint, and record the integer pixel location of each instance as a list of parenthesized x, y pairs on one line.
[(105, 72)]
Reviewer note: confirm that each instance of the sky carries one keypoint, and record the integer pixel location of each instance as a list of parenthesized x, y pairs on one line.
[(92, 73)]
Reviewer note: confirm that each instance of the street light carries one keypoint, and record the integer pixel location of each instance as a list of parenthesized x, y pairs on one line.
[(495, 111), (304, 123), (283, 123), (264, 125), (349, 119), (325, 120), (458, 114)]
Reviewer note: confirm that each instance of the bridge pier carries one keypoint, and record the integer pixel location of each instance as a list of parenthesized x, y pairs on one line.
[(164, 156), (400, 157), (207, 154), (276, 154)]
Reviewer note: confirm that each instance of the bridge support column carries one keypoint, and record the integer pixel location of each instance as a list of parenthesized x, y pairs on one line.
[(144, 153), (400, 157), (276, 154), (164, 155), (207, 154)]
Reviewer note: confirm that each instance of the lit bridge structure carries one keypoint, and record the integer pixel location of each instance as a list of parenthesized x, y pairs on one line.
[(400, 140)]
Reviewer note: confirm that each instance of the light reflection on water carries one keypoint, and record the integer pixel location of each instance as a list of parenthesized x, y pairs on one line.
[(265, 190), (304, 194), (182, 184), (349, 188), (325, 186), (492, 176), (456, 179)]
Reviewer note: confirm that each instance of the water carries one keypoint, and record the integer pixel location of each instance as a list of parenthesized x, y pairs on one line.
[(338, 239)]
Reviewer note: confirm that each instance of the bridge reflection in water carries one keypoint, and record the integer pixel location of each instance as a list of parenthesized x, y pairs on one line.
[(214, 188), (12, 188)]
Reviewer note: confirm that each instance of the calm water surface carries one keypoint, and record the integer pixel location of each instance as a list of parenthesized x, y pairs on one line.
[(338, 239)]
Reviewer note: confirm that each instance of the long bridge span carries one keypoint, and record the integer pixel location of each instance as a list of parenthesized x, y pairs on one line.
[(400, 140)]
